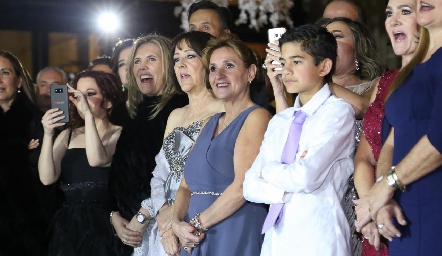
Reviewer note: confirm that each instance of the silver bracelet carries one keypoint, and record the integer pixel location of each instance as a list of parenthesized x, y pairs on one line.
[(195, 222)]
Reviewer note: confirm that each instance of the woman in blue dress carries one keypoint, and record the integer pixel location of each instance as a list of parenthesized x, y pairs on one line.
[(410, 165), (211, 216)]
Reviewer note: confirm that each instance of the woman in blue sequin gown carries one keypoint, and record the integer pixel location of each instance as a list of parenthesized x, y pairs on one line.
[(183, 127), (81, 156), (211, 190)]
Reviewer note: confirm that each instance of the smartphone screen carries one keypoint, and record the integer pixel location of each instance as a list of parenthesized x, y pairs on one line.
[(274, 35), (60, 100)]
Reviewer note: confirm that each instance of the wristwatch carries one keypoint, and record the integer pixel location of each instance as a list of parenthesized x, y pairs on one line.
[(141, 218), (393, 181)]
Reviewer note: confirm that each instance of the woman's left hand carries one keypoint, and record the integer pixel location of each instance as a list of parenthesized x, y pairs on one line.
[(170, 243), (384, 220), (164, 219), (379, 196), (188, 235), (79, 100)]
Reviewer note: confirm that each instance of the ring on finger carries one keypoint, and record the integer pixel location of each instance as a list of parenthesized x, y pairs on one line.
[(380, 226)]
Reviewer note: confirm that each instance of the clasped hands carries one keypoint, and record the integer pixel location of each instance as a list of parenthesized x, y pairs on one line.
[(189, 236), (375, 212)]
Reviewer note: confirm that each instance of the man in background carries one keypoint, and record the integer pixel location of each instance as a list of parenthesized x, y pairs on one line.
[(345, 8), (45, 78)]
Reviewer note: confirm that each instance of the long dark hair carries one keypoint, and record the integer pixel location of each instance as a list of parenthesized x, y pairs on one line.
[(108, 86)]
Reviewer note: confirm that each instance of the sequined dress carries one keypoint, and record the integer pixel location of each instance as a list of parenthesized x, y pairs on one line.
[(351, 192), (82, 226), (372, 128), (166, 181)]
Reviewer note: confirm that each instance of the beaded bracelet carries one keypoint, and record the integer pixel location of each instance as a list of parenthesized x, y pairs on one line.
[(195, 222)]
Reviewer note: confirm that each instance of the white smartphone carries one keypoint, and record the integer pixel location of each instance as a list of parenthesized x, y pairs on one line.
[(274, 35)]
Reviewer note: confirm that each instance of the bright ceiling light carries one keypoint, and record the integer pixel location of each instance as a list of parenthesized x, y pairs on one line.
[(108, 22)]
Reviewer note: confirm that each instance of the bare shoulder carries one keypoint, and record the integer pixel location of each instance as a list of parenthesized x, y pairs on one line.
[(174, 119), (256, 123), (258, 116)]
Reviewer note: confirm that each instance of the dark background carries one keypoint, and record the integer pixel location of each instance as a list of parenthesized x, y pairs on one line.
[(79, 17)]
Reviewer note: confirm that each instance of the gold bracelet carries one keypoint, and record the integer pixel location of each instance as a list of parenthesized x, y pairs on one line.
[(112, 225)]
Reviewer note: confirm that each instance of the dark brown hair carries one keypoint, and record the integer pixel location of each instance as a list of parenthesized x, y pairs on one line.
[(196, 40), (107, 84)]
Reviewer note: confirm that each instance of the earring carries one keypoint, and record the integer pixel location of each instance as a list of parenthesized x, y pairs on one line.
[(357, 64)]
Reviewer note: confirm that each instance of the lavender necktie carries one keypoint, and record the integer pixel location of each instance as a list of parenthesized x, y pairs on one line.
[(288, 157)]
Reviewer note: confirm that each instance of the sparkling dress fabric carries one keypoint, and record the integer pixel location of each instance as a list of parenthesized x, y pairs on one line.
[(166, 181), (210, 168), (351, 192), (82, 226), (372, 128), (415, 110)]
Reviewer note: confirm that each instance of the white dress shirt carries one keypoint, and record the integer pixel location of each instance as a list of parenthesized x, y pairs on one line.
[(313, 186)]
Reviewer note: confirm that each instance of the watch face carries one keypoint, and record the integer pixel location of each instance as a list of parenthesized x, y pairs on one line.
[(140, 218)]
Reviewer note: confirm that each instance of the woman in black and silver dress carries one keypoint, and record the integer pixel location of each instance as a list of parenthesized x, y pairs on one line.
[(183, 127)]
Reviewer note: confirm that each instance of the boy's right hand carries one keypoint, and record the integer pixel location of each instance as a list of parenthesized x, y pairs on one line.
[(274, 71)]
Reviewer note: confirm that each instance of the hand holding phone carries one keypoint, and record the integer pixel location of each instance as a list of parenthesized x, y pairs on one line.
[(60, 100), (274, 35)]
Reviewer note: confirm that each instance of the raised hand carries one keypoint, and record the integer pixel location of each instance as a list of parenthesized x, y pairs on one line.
[(79, 100)]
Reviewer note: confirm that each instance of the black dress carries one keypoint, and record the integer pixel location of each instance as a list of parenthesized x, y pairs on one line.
[(82, 226), (26, 205), (134, 159)]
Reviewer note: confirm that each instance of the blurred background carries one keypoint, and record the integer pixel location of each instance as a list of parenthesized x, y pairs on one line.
[(67, 33)]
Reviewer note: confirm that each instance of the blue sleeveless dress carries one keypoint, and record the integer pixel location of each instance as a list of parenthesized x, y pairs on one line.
[(415, 110), (209, 168)]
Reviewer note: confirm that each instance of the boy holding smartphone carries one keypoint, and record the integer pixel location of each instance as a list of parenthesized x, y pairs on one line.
[(307, 154)]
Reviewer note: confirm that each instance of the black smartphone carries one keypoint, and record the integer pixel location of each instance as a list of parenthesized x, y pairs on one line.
[(60, 100)]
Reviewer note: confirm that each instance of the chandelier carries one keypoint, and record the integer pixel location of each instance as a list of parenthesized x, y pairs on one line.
[(256, 13)]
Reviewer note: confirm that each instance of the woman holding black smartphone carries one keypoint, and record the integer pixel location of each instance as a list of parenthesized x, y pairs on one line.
[(81, 157)]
